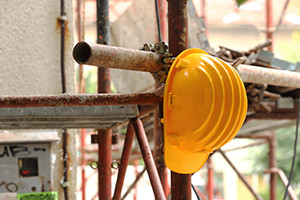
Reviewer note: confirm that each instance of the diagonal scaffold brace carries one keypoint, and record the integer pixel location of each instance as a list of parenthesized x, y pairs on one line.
[(135, 125)]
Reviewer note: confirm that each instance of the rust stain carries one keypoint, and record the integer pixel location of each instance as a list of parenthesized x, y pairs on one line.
[(67, 29), (80, 100), (57, 27), (69, 157)]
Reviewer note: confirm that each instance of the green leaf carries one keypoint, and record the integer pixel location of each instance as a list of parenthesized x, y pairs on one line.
[(240, 2)]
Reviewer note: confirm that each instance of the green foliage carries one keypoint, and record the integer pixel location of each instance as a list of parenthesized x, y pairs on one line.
[(265, 191), (259, 155), (90, 80), (240, 2), (290, 51), (285, 136), (284, 153)]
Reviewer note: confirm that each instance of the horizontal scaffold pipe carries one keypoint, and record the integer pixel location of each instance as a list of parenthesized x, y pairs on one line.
[(130, 59), (80, 100), (262, 75), (116, 57)]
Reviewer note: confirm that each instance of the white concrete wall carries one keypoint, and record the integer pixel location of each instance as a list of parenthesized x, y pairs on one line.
[(30, 47), (30, 61)]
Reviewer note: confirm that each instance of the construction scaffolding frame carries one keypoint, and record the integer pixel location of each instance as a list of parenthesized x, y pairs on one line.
[(28, 109)]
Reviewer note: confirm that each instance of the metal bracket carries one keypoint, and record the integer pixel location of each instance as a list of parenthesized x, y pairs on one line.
[(64, 184), (62, 18), (166, 59)]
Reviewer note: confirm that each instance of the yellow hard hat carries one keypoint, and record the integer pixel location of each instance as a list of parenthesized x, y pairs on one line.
[(205, 105)]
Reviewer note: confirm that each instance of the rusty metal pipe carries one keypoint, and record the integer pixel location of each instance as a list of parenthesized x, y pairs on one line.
[(124, 162), (262, 75), (269, 23), (104, 136), (178, 42), (158, 148), (105, 140), (284, 180), (178, 26), (270, 137), (65, 100), (272, 164), (210, 179), (255, 136), (121, 58), (104, 167), (273, 116), (148, 159), (181, 186), (116, 57), (104, 82)]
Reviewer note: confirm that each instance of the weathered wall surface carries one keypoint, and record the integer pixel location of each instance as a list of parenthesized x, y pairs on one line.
[(30, 47), (136, 27), (30, 62)]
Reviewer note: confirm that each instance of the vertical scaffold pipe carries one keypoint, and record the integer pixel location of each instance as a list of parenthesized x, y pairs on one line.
[(269, 24), (178, 41), (104, 136)]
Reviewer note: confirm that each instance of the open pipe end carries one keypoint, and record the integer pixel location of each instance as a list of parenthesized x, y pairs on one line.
[(82, 52)]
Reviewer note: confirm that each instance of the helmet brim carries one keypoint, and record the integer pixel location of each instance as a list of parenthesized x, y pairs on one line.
[(181, 162)]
